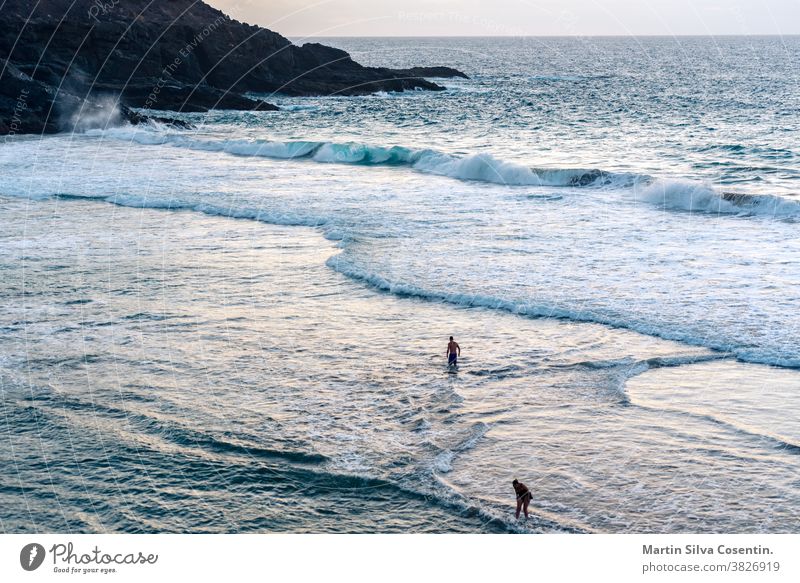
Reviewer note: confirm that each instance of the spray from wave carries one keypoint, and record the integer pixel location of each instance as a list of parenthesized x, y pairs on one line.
[(101, 112)]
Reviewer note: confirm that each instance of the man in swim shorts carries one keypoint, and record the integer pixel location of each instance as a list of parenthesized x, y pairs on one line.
[(453, 352), (523, 497)]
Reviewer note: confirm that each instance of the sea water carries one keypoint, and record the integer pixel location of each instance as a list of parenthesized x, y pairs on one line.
[(242, 327)]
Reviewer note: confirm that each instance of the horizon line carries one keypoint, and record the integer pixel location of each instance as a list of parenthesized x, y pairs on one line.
[(696, 35)]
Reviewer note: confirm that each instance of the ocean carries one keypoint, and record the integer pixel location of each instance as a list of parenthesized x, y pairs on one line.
[(242, 327)]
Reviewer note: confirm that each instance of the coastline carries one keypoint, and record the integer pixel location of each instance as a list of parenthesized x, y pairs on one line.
[(67, 65), (239, 327)]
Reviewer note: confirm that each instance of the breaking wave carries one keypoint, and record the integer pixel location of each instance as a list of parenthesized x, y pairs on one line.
[(691, 196), (472, 167), (682, 195)]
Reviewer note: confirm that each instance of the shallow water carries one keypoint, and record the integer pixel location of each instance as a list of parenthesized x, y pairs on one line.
[(166, 371), (611, 240)]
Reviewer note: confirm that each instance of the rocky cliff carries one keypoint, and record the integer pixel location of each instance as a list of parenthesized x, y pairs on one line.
[(62, 58)]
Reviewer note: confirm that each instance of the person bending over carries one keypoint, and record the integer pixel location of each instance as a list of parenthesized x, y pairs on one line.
[(523, 497)]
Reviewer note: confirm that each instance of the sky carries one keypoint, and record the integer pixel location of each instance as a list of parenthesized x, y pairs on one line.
[(300, 18)]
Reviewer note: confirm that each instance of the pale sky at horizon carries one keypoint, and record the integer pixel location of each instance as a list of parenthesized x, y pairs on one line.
[(298, 18)]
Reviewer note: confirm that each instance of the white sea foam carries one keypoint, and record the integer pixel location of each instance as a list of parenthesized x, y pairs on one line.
[(138, 134), (547, 310), (286, 219), (443, 462), (298, 107), (691, 196)]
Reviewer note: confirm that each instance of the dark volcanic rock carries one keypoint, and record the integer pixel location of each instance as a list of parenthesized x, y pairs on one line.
[(136, 118), (63, 56), (28, 106), (441, 72), (184, 97)]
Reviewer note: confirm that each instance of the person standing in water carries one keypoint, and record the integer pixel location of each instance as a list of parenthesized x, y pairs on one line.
[(523, 497), (453, 352)]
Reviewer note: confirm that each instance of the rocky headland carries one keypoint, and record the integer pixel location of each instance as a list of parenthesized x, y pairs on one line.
[(66, 61)]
